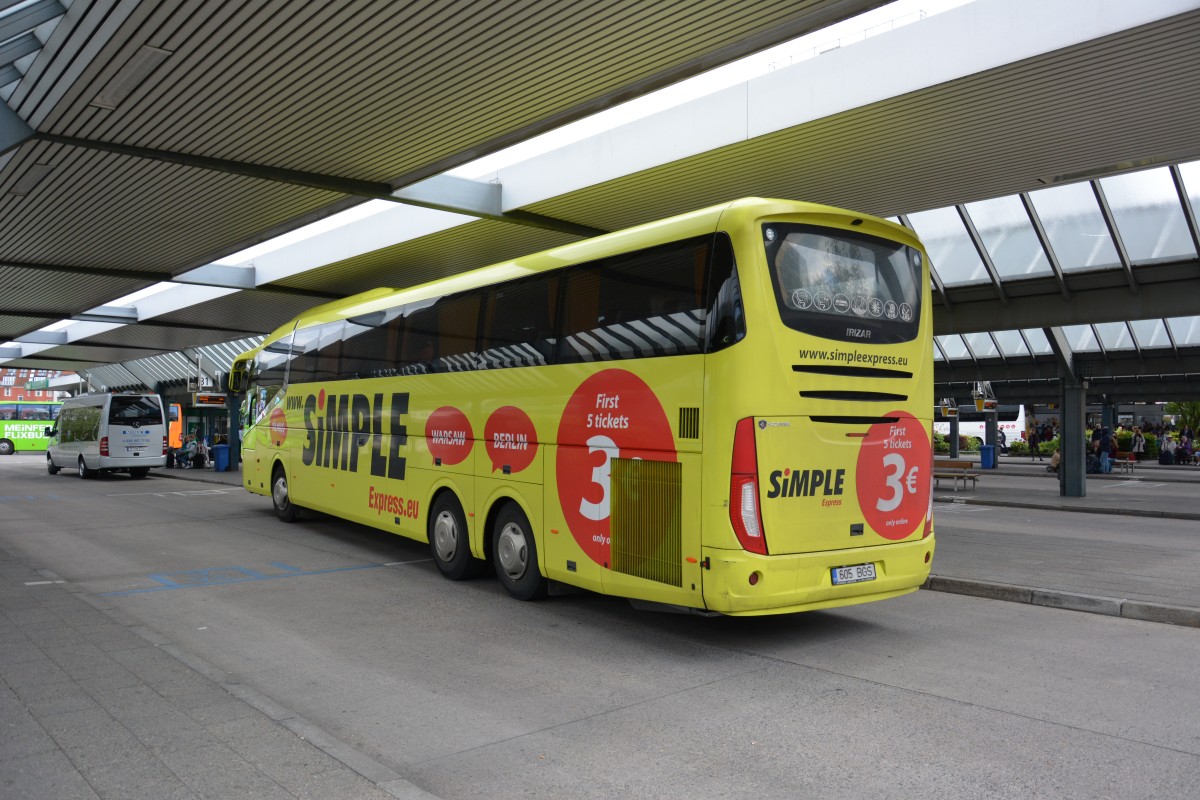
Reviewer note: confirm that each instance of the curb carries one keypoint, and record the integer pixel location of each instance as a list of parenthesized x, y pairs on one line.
[(1072, 601), (1112, 512)]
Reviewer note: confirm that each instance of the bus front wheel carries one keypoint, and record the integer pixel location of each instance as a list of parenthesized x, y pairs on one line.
[(449, 541), (515, 555), (53, 470), (285, 509), (6, 447)]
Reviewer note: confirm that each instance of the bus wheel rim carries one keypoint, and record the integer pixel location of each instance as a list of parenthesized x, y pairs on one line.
[(279, 492), (513, 551), (445, 536)]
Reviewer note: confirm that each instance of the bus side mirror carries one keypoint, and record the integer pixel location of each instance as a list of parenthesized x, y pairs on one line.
[(50, 433), (237, 378)]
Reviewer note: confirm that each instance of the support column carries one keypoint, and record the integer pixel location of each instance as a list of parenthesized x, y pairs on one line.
[(234, 403), (954, 437), (1072, 469)]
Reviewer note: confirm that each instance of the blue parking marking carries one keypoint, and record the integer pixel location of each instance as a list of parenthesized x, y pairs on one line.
[(220, 576)]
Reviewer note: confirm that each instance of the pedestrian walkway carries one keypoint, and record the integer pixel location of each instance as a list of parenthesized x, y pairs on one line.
[(1130, 547), (92, 705)]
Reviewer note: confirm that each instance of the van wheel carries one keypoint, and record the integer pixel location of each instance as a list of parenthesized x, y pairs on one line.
[(285, 509), (515, 555), (449, 540), (53, 470), (6, 447), (139, 472), (84, 472)]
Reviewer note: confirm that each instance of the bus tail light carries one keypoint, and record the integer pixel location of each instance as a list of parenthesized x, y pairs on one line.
[(744, 512), (104, 446), (164, 445)]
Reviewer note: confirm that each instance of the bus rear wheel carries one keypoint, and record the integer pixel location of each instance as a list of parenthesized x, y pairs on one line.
[(285, 509), (6, 448), (515, 555), (83, 470), (449, 540)]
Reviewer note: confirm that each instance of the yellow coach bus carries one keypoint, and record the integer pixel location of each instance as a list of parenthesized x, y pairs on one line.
[(726, 411)]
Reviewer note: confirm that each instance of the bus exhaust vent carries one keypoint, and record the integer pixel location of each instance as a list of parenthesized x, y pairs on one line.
[(855, 420), (851, 372), (856, 397), (646, 500), (689, 423)]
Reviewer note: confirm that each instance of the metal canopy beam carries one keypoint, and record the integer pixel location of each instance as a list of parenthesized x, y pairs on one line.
[(973, 311), (14, 132), (116, 314), (44, 337), (440, 194), (11, 352), (28, 18)]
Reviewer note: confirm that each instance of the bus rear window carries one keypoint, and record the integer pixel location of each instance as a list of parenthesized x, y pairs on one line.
[(842, 285), (124, 410)]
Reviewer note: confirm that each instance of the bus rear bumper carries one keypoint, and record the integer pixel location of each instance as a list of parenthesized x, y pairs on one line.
[(804, 581)]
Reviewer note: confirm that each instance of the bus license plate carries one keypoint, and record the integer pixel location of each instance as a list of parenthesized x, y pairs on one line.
[(856, 574)]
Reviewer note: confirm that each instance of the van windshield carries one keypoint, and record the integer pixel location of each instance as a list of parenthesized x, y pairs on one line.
[(135, 408)]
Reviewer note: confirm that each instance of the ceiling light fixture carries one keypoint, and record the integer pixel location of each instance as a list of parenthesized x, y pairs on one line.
[(130, 76)]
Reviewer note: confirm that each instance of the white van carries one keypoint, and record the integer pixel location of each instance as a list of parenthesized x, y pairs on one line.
[(98, 433)]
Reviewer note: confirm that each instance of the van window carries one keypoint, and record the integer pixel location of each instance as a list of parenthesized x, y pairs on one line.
[(128, 409)]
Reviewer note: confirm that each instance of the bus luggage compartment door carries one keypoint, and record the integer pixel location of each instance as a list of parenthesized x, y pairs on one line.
[(832, 486)]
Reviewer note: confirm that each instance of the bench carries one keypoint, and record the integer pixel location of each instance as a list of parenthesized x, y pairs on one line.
[(1125, 461), (955, 471)]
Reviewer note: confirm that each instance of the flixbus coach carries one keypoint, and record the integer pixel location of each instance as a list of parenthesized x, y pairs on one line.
[(23, 424), (726, 411)]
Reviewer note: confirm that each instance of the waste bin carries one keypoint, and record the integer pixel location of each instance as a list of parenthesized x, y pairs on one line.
[(987, 456), (220, 454)]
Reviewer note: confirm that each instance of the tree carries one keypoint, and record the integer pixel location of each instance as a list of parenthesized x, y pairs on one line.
[(1187, 414)]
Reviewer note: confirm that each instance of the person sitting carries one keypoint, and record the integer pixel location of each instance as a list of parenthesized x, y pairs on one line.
[(1055, 460)]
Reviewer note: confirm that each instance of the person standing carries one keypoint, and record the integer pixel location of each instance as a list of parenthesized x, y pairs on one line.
[(1138, 445), (1034, 441), (1106, 442)]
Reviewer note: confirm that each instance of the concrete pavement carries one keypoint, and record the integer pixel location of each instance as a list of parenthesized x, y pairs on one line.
[(92, 705)]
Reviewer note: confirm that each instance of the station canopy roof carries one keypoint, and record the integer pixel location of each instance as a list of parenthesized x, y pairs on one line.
[(152, 153)]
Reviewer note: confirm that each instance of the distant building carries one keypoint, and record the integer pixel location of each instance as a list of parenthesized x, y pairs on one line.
[(15, 383)]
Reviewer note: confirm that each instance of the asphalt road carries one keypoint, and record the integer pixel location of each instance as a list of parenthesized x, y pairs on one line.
[(467, 693)]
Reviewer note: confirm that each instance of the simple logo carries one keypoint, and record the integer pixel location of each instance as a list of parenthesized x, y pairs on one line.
[(339, 426)]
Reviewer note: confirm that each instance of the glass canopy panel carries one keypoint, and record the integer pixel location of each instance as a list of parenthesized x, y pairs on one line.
[(981, 345), (1185, 330), (1011, 343), (1038, 341), (1191, 182), (1115, 336), (1071, 217), (954, 346), (1009, 237), (945, 237), (1149, 217), (1081, 339), (1151, 333)]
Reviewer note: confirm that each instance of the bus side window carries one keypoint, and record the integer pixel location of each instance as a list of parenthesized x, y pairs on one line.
[(650, 304), (726, 322), (518, 323)]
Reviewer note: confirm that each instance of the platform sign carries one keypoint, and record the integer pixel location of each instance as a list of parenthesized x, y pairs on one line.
[(210, 399)]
